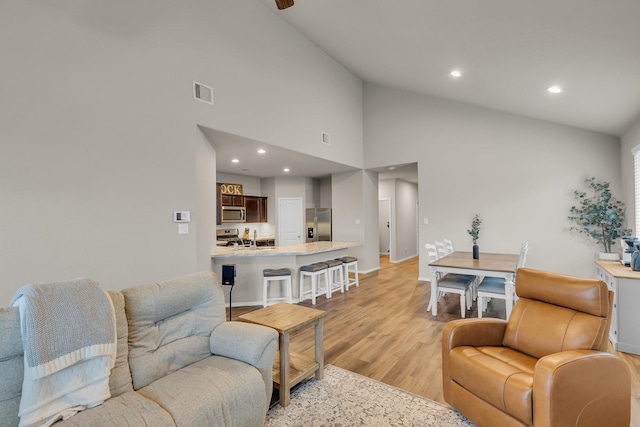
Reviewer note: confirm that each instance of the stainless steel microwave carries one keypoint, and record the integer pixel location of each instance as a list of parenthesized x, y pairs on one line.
[(234, 214)]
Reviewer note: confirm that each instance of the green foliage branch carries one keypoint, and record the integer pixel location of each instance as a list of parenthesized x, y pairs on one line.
[(599, 214), (475, 228)]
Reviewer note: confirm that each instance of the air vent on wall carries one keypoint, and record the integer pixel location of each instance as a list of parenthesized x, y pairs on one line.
[(326, 138), (203, 93)]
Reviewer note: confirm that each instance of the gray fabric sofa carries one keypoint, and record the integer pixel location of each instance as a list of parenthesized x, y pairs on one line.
[(179, 362)]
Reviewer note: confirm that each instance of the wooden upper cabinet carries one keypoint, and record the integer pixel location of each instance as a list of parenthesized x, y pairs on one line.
[(252, 204), (256, 208), (263, 209), (218, 204), (228, 200)]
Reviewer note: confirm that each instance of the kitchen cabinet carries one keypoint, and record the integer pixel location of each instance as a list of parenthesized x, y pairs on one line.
[(229, 200), (256, 208), (265, 242), (625, 283), (218, 204)]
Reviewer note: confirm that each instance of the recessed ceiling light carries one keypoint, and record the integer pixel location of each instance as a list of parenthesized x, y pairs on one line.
[(456, 73), (391, 168), (286, 170), (235, 161), (554, 89), (262, 151)]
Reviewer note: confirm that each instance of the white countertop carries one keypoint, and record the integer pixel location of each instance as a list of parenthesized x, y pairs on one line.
[(302, 249)]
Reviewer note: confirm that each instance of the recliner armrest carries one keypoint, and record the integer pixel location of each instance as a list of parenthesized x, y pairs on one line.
[(472, 332), (581, 388), (249, 343), (242, 341)]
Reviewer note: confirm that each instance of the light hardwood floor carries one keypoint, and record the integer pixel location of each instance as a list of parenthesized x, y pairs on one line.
[(383, 331)]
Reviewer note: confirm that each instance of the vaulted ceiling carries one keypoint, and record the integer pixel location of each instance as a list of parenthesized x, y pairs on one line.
[(507, 51)]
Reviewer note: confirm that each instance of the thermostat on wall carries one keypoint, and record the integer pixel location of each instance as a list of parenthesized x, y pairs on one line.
[(182, 216)]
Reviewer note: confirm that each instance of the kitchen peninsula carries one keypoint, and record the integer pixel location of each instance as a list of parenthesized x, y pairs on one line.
[(250, 263)]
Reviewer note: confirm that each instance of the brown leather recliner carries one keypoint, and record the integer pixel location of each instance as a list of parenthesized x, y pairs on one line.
[(546, 366)]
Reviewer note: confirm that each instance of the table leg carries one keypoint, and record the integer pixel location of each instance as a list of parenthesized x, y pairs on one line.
[(509, 291), (319, 328), (285, 380), (433, 300)]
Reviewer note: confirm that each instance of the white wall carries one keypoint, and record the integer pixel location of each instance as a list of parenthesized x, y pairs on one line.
[(99, 141), (206, 206), (251, 186), (517, 173), (355, 215), (325, 193)]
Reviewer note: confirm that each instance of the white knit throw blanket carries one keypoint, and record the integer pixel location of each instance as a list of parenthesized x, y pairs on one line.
[(69, 337)]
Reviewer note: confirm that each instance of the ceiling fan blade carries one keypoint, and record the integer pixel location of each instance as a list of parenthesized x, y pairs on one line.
[(283, 4)]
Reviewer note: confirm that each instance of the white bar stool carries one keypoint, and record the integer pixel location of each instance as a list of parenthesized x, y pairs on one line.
[(313, 272), (348, 262), (276, 275), (336, 276)]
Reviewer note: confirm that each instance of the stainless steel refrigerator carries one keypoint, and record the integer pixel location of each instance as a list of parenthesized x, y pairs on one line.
[(318, 225)]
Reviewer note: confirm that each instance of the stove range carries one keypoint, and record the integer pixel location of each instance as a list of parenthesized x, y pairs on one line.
[(227, 237)]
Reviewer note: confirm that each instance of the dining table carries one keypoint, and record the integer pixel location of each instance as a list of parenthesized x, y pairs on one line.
[(488, 265)]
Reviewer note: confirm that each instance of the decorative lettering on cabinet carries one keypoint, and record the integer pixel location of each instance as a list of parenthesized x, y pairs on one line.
[(232, 189)]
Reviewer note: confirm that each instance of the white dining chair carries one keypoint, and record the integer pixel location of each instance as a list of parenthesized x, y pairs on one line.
[(440, 249), (448, 246), (444, 248), (493, 287), (457, 284)]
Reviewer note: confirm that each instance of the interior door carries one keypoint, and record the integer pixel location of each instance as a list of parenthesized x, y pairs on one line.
[(384, 225), (290, 221)]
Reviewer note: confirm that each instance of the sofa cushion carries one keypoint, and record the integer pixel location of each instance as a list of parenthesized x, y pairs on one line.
[(127, 409), (120, 378), (214, 391), (11, 366), (500, 376), (170, 324)]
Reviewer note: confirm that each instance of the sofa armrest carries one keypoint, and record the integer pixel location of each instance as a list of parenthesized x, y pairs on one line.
[(242, 341), (581, 388), (472, 332), (249, 343)]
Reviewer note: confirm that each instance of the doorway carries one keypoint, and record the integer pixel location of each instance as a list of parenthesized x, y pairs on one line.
[(384, 225), (290, 221), (398, 189)]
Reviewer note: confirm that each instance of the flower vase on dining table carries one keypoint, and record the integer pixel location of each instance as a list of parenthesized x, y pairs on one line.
[(476, 252)]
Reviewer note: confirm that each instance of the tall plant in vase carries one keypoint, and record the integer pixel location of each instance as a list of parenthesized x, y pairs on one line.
[(600, 216), (475, 233)]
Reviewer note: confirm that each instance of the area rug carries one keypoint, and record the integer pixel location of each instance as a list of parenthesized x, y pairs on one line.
[(346, 399)]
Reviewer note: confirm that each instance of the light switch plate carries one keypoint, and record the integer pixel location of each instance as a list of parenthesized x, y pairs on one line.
[(183, 228)]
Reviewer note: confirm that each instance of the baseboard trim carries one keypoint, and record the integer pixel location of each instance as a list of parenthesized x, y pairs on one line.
[(403, 259), (424, 279)]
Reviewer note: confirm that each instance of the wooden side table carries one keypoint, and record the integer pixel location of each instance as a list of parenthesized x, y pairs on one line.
[(288, 320)]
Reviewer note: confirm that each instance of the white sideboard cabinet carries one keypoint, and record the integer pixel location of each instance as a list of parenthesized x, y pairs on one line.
[(625, 318)]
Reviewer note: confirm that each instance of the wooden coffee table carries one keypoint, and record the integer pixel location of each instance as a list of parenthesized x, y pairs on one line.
[(291, 368)]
